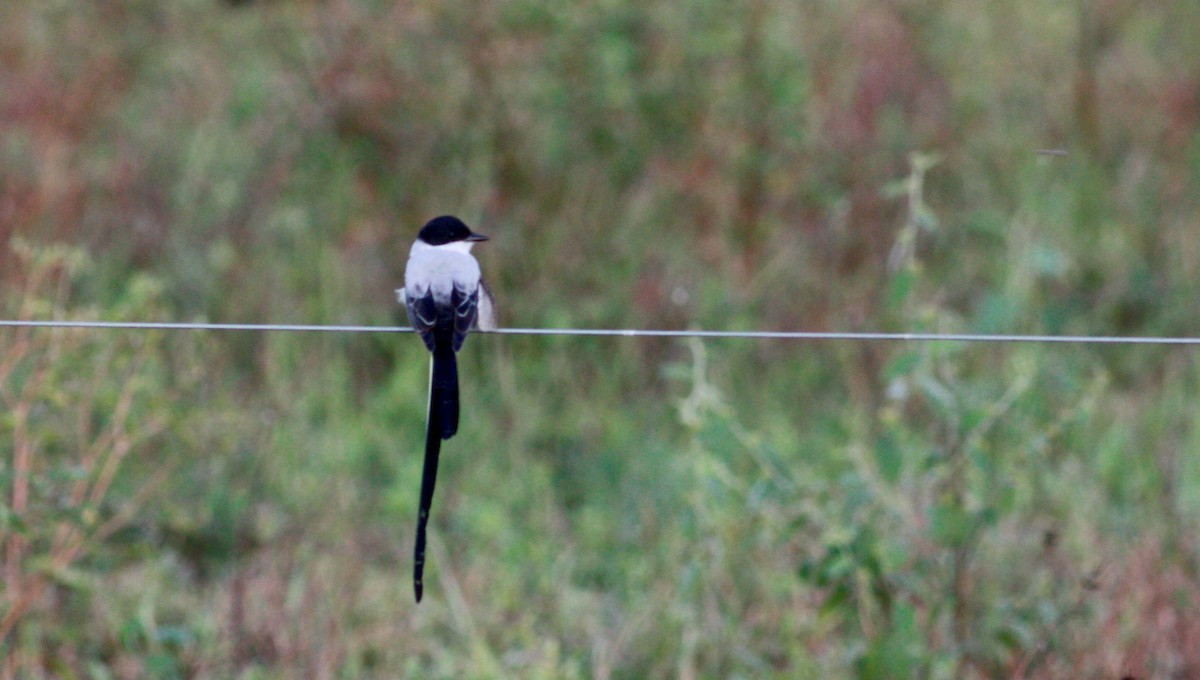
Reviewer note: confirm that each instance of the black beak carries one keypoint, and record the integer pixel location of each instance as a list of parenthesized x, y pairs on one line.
[(477, 237)]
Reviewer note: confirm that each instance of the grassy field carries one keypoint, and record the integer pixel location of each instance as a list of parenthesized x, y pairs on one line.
[(242, 505)]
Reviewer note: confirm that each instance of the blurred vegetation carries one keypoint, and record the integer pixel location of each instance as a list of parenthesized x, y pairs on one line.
[(187, 505)]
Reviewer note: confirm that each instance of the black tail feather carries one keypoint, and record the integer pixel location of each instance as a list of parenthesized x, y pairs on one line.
[(444, 386), (441, 424), (433, 448)]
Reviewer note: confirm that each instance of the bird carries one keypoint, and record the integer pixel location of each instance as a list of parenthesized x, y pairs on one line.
[(445, 298)]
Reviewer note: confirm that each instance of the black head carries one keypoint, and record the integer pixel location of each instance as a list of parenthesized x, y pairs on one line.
[(447, 229)]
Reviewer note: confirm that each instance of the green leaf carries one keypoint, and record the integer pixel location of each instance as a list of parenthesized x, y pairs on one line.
[(903, 364), (901, 288), (950, 524), (889, 458)]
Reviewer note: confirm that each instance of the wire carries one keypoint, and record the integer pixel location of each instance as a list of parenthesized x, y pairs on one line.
[(636, 333), (175, 326)]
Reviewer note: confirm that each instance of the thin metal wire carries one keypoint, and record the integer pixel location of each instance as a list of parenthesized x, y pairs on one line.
[(177, 326), (636, 333)]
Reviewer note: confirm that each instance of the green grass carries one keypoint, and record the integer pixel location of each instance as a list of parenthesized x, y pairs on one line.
[(213, 505)]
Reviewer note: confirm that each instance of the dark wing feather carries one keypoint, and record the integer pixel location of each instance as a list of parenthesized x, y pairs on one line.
[(422, 314), (465, 304)]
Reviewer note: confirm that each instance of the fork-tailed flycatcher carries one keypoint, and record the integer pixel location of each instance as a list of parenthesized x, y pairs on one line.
[(445, 299)]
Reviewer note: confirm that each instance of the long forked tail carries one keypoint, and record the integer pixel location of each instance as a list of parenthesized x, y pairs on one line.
[(443, 386), (441, 424), (433, 447)]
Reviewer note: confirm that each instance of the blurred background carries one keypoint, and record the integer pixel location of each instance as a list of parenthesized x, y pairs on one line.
[(241, 505)]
